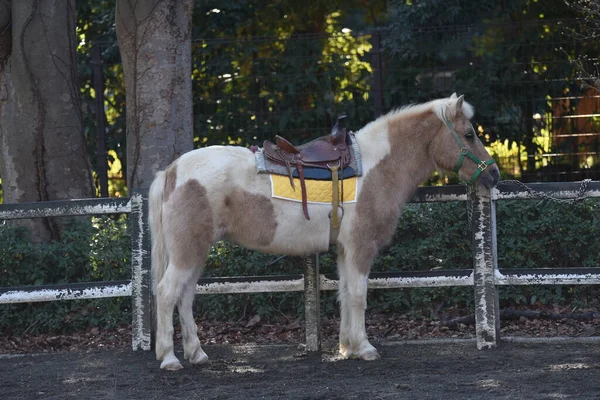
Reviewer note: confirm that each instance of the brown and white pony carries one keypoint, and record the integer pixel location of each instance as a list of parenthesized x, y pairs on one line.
[(215, 193)]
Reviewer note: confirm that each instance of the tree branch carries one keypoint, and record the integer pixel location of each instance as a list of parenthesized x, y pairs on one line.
[(590, 30)]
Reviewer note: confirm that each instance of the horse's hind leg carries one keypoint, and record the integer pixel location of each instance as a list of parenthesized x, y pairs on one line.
[(168, 293), (177, 287), (192, 351), (188, 229)]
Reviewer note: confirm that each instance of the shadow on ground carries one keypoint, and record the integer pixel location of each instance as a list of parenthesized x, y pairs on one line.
[(406, 371)]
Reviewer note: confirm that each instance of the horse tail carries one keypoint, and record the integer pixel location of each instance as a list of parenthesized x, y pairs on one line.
[(160, 257)]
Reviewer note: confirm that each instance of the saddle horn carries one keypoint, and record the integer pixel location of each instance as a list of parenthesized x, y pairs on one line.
[(338, 132)]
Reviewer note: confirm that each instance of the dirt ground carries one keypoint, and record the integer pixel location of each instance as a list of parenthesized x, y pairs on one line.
[(407, 370)]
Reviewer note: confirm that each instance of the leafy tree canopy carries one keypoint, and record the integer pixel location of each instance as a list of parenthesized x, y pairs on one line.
[(265, 68)]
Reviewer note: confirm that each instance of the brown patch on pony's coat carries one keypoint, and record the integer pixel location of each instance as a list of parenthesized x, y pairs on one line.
[(170, 181), (249, 218), (383, 192), (188, 224)]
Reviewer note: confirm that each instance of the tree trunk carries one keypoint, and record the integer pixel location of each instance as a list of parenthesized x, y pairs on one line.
[(155, 43), (42, 148)]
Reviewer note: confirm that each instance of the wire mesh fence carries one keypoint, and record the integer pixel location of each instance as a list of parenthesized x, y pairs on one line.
[(532, 109)]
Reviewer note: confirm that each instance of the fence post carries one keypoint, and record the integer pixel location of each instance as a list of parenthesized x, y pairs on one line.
[(101, 167), (487, 313), (312, 309), (376, 64), (141, 292)]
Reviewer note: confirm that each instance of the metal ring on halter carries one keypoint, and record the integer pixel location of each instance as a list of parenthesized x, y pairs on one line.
[(482, 166), (464, 151)]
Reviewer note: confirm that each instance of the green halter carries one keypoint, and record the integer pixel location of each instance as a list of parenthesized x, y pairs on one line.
[(464, 152)]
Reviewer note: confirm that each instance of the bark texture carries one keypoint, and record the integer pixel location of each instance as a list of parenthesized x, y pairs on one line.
[(155, 43), (5, 36), (42, 148)]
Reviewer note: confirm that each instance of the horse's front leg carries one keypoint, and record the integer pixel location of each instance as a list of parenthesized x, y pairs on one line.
[(343, 300), (353, 303)]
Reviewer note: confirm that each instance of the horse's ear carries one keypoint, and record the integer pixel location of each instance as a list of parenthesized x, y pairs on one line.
[(455, 105), (459, 103)]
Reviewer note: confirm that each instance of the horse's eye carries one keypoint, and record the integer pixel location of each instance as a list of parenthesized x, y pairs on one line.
[(470, 135)]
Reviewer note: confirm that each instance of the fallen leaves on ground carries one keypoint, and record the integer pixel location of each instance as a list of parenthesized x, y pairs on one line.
[(287, 330)]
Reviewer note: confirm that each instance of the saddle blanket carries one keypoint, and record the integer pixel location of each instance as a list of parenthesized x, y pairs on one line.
[(317, 191)]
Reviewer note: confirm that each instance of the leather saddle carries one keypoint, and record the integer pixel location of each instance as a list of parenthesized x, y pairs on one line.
[(331, 152)]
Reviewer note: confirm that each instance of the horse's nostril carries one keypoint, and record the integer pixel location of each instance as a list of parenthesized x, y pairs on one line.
[(495, 173)]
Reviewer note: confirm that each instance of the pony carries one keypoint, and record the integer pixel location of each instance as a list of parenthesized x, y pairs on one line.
[(215, 193)]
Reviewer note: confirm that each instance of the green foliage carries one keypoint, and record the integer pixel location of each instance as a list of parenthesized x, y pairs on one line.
[(296, 80), (548, 235), (429, 238), (290, 67), (228, 259), (86, 252), (512, 60), (533, 234)]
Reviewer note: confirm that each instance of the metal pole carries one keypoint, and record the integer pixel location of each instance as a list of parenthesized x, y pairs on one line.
[(312, 309), (101, 167), (485, 262), (141, 292)]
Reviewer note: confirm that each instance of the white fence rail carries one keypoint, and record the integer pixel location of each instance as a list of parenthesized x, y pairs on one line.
[(485, 276)]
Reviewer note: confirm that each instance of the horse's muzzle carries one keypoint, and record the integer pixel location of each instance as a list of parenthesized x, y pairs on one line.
[(490, 178)]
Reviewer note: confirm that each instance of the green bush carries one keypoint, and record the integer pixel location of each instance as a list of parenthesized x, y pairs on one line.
[(429, 236), (87, 252), (534, 234)]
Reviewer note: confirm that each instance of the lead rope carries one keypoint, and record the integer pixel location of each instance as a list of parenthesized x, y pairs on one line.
[(580, 195)]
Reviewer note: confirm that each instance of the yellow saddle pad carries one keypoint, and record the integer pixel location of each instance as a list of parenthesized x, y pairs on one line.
[(316, 191)]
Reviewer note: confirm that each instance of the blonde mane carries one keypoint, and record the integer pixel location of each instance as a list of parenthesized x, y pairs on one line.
[(439, 107), (377, 130)]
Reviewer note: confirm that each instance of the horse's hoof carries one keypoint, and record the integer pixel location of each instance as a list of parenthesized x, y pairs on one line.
[(347, 353), (171, 363), (370, 355), (199, 357)]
